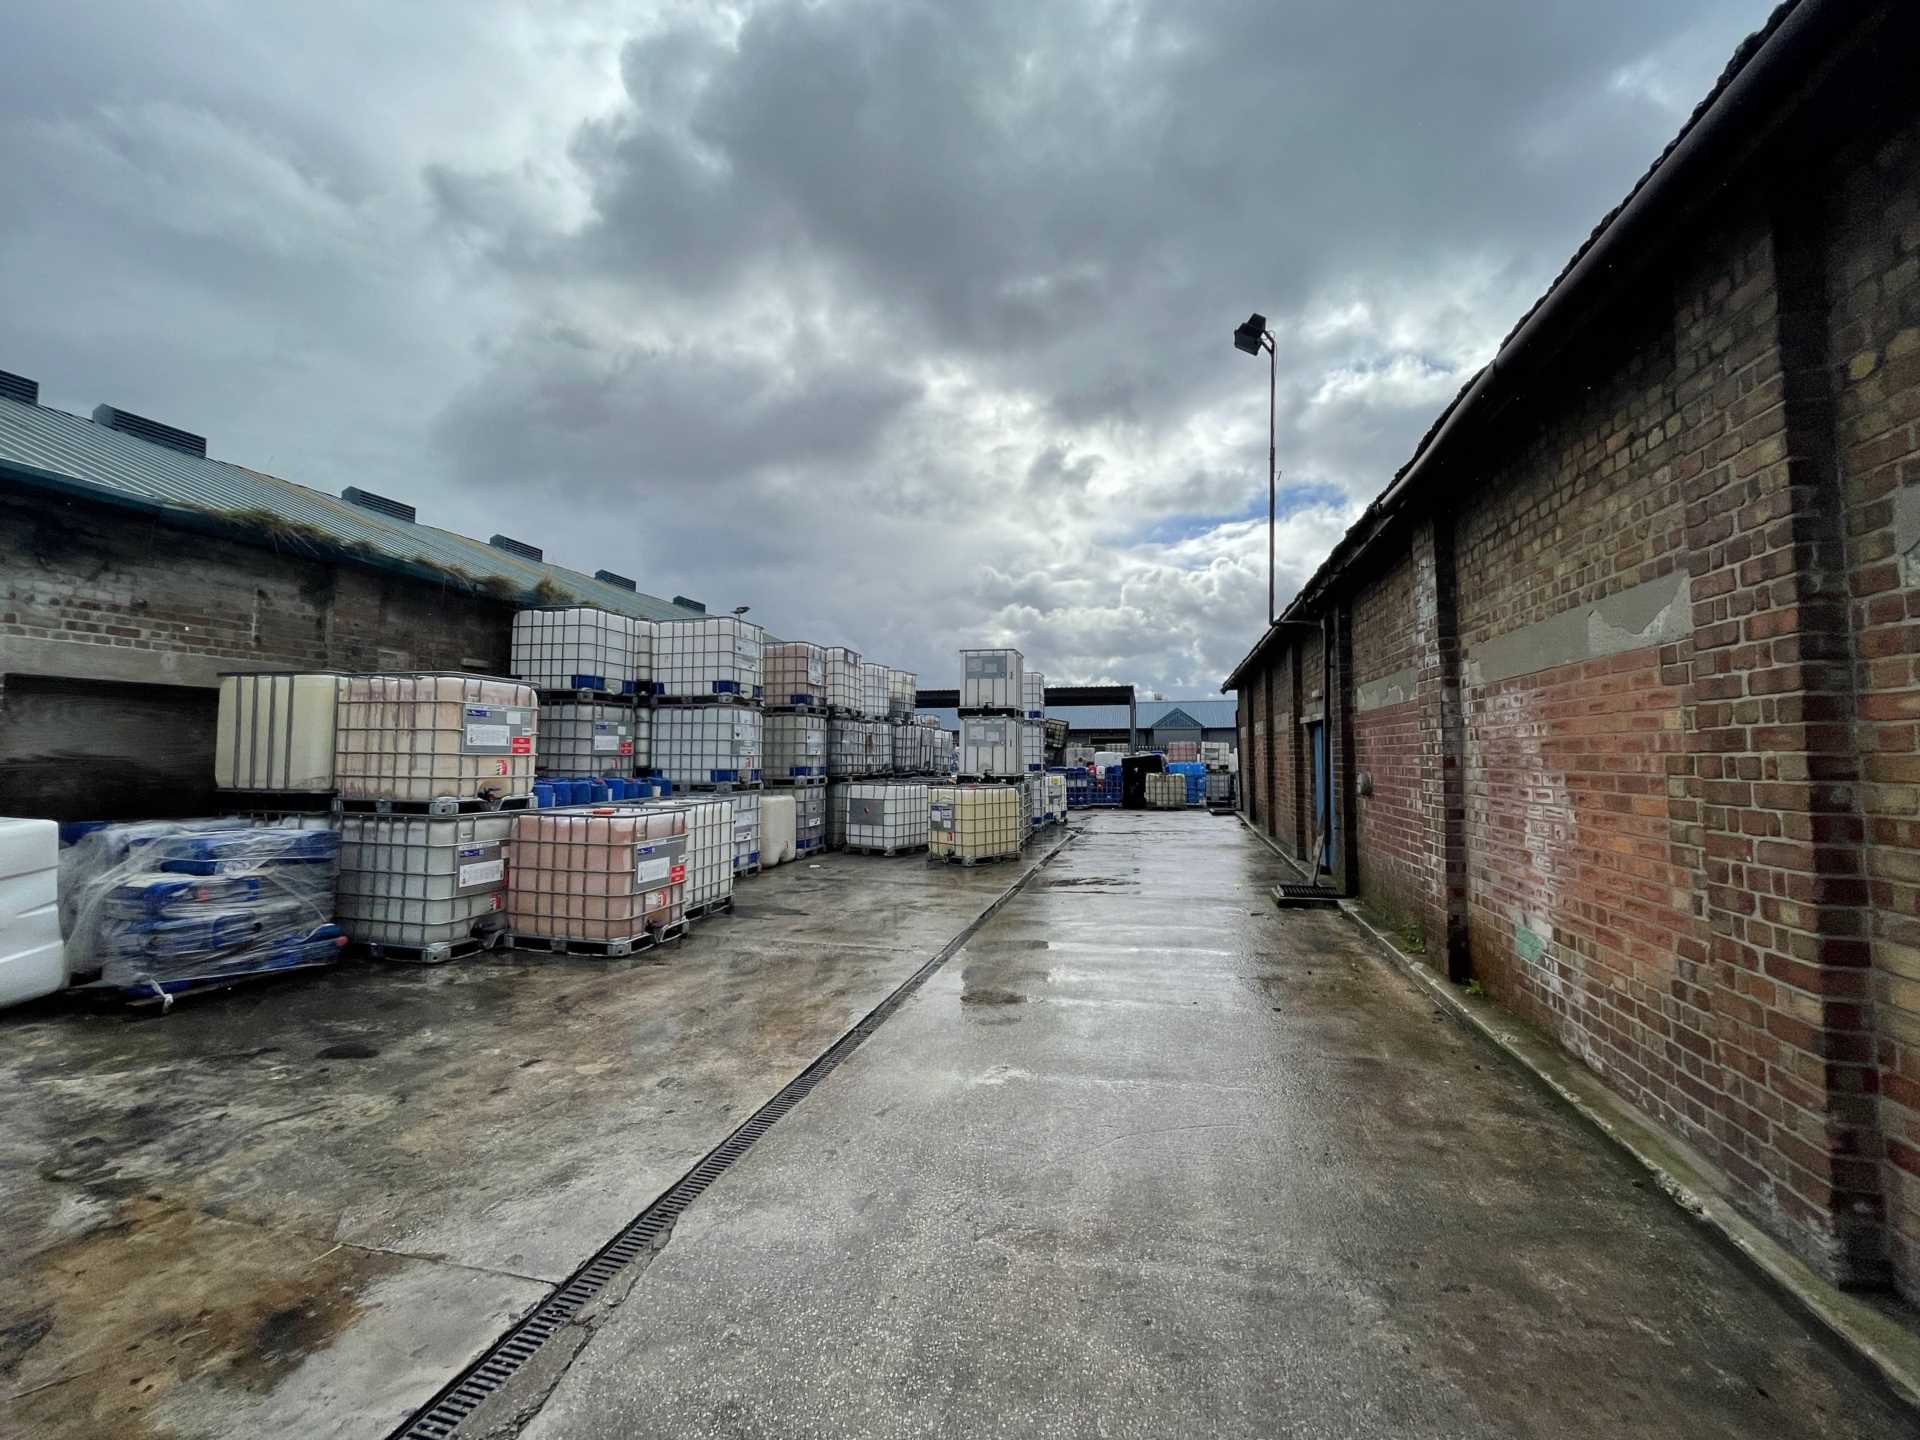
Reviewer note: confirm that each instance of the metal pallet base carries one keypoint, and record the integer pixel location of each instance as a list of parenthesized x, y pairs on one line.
[(438, 953), (709, 907), (880, 850), (969, 860), (443, 807), (793, 782), (599, 949), (591, 697)]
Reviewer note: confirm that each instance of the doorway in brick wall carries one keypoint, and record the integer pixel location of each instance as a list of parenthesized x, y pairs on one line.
[(1322, 828)]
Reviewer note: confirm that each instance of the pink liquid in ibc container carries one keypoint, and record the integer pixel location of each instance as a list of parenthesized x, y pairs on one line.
[(597, 875)]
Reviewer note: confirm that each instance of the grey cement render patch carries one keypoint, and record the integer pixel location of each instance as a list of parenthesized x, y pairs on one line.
[(1394, 689), (1906, 532), (1656, 612)]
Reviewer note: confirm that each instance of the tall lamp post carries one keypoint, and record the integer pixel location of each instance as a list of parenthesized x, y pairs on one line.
[(1253, 337)]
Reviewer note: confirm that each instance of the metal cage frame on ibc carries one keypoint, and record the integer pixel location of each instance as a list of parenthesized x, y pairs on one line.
[(721, 656), (971, 823), (608, 876), (709, 849), (581, 739), (466, 737), (793, 746), (705, 745), (992, 681), (556, 647), (874, 703), (883, 817), (843, 679), (809, 820), (794, 675), (461, 865), (746, 831), (857, 748)]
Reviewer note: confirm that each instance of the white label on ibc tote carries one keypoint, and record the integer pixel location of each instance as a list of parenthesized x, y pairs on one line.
[(480, 866)]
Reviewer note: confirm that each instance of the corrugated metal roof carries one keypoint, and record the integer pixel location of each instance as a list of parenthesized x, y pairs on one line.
[(45, 447), (1211, 714)]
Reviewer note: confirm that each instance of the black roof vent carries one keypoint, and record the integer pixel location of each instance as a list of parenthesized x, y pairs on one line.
[(515, 547), (612, 579), (152, 431), (19, 387), (685, 604), (380, 504)]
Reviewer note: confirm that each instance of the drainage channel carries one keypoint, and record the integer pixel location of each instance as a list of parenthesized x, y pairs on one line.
[(442, 1416)]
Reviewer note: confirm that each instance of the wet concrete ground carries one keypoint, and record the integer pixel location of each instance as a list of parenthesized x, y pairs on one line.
[(1148, 1158), (300, 1209)]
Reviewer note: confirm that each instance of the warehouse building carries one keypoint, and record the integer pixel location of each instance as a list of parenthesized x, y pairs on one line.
[(1154, 723), (137, 568), (1614, 693)]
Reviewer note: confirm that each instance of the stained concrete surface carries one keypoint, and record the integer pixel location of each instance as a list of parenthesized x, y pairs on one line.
[(301, 1208), (1149, 1158)]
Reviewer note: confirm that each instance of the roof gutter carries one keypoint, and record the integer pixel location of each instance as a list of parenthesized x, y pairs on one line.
[(1748, 112)]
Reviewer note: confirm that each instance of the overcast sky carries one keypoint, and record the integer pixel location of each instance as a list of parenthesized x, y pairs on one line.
[(907, 324)]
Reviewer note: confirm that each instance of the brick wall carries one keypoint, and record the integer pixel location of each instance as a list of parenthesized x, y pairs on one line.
[(106, 594), (1658, 784), (1394, 839), (1873, 292)]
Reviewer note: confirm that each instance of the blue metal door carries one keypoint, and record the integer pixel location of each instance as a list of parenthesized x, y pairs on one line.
[(1322, 811)]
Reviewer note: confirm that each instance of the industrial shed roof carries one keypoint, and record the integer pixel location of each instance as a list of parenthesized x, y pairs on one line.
[(1209, 714), (52, 450)]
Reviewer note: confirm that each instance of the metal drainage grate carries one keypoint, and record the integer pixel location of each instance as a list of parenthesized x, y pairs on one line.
[(1289, 897), (443, 1415)]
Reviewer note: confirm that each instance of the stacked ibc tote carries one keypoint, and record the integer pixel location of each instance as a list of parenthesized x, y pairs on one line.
[(709, 726), (423, 772), (797, 707), (593, 673), (988, 815)]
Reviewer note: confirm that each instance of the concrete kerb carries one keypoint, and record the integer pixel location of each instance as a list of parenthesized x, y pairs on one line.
[(1273, 845), (1881, 1346)]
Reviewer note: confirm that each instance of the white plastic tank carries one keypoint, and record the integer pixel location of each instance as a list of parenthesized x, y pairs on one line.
[(1033, 744), (643, 636), (903, 693), (795, 674), (779, 827), (698, 659), (575, 647), (642, 742), (843, 678), (1034, 802), (992, 680), (709, 848), (1056, 799), (586, 740), (429, 736), (990, 745), (885, 815), (708, 744), (809, 819), (422, 883), (836, 816), (615, 874), (974, 822), (746, 831), (857, 747), (32, 957), (874, 700), (912, 749), (796, 745), (1033, 687), (1166, 791), (275, 731)]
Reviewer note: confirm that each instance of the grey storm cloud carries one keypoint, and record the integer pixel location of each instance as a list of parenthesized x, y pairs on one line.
[(904, 322)]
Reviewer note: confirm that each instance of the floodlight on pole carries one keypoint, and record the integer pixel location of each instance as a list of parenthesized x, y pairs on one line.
[(1252, 338)]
